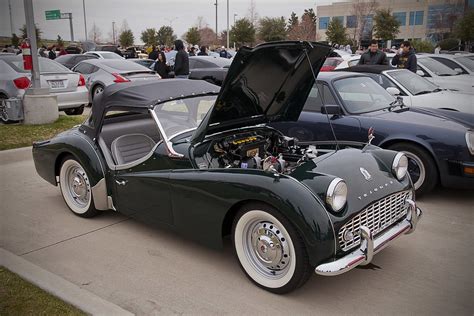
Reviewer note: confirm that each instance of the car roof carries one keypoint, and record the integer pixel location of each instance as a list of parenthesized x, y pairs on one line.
[(375, 69), (141, 95), (332, 75)]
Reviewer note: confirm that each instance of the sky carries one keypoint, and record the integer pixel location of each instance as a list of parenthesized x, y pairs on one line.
[(141, 14)]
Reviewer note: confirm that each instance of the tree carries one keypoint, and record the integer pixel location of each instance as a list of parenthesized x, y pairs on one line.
[(165, 36), (293, 22), (95, 33), (208, 36), (59, 42), (192, 36), (272, 29), (464, 29), (310, 12), (15, 40), (126, 38), (304, 31), (243, 32), (38, 33), (336, 32), (361, 9), (252, 14), (149, 37), (386, 26), (422, 46)]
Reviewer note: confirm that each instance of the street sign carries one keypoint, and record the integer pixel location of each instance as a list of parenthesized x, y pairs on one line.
[(65, 15), (53, 14)]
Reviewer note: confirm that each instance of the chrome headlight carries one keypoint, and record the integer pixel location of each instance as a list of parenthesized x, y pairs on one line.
[(400, 166), (470, 141), (336, 196)]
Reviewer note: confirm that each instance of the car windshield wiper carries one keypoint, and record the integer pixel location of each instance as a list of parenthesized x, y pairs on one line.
[(438, 90), (425, 92)]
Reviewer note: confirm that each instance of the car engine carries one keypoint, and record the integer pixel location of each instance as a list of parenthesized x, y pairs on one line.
[(267, 150)]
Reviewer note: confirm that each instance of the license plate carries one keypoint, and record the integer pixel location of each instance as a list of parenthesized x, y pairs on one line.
[(56, 84)]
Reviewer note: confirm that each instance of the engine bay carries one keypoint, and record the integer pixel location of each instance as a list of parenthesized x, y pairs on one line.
[(268, 150)]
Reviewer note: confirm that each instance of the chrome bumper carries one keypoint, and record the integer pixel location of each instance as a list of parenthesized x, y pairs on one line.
[(370, 246)]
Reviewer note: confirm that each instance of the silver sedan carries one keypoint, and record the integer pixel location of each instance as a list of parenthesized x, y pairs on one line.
[(100, 73), (67, 86)]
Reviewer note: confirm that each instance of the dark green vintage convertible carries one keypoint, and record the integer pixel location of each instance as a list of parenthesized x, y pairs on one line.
[(180, 154)]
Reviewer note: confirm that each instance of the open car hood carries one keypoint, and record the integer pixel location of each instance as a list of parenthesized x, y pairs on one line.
[(268, 83)]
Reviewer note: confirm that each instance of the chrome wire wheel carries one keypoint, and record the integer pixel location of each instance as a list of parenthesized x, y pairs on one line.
[(75, 187), (265, 249)]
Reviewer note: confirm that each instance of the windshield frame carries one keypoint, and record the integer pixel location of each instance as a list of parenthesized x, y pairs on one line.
[(343, 101), (389, 73)]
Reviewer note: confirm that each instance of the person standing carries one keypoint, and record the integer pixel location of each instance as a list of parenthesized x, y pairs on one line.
[(437, 49), (373, 56), (405, 57), (192, 51), (223, 52), (203, 51), (153, 54), (181, 62), (161, 67), (52, 53), (42, 51)]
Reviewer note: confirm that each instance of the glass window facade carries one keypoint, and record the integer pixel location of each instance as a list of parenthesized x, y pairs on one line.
[(416, 17), (351, 21), (401, 17), (443, 15), (323, 22)]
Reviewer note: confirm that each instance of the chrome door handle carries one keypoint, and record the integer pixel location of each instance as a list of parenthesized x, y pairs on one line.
[(121, 182)]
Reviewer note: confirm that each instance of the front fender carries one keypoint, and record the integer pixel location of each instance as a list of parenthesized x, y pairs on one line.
[(201, 200)]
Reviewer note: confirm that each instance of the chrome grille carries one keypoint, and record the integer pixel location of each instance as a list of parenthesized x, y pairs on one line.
[(376, 217)]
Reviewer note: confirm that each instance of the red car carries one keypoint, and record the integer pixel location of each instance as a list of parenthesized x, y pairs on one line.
[(331, 63)]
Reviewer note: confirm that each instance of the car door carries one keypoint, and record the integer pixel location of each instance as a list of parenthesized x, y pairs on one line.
[(316, 126), (141, 190)]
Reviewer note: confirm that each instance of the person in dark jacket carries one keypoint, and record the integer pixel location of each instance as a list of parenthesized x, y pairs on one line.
[(153, 54), (161, 67), (52, 52), (192, 51), (203, 51), (181, 61), (373, 56), (405, 57)]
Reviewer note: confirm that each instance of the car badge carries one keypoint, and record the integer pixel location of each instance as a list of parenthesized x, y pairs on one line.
[(366, 174), (370, 135)]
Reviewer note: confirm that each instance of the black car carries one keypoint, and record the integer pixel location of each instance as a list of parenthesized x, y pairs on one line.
[(176, 153), (71, 60), (439, 143), (209, 68)]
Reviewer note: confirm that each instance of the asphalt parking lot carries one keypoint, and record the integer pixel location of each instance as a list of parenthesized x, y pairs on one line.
[(148, 271)]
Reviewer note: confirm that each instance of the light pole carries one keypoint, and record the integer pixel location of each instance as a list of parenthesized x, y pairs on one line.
[(227, 24), (235, 14), (85, 21), (113, 31), (11, 19), (216, 21)]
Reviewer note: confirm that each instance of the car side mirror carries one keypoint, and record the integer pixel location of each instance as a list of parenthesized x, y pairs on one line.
[(393, 91), (458, 70), (331, 109), (420, 73)]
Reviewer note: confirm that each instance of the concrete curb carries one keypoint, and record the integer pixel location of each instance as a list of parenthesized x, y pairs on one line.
[(59, 287), (16, 155)]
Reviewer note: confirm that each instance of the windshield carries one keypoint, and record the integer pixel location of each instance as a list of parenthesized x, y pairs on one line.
[(110, 56), (437, 68), (412, 82), (45, 65), (362, 94), (177, 116), (466, 62)]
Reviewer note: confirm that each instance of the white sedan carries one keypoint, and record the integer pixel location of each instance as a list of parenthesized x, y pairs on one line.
[(417, 91), (460, 63)]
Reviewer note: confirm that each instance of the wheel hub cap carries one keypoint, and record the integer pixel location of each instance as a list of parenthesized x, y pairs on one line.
[(269, 246)]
